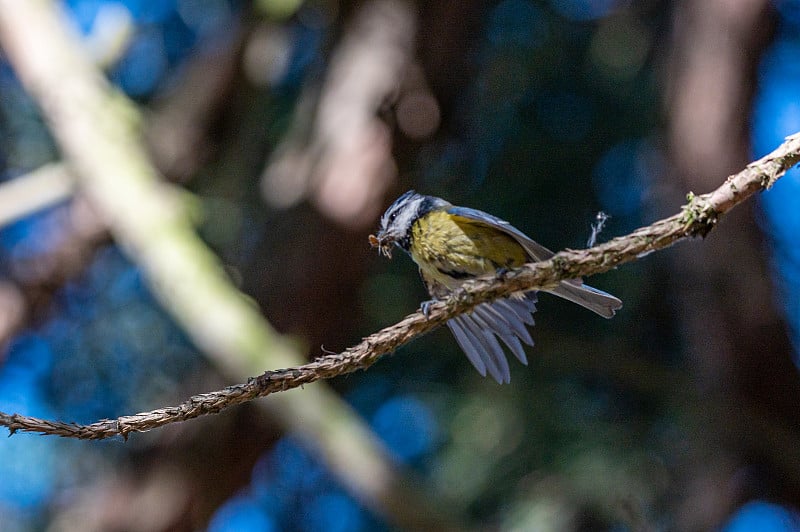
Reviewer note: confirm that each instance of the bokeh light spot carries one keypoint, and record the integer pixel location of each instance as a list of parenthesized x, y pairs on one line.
[(622, 177), (763, 517), (407, 426), (143, 66), (241, 514), (583, 9), (620, 46), (333, 512)]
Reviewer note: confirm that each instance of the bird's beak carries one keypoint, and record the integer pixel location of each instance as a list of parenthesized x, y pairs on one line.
[(384, 242)]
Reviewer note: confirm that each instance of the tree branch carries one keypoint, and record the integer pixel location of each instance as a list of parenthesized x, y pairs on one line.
[(699, 216)]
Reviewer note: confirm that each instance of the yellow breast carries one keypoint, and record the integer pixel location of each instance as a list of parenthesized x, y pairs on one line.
[(451, 249)]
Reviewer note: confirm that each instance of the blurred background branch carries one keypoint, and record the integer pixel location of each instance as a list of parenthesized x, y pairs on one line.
[(45, 187), (339, 155), (176, 129), (98, 131)]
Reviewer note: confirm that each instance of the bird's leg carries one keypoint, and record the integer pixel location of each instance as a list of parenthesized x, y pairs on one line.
[(501, 273), (435, 290), (425, 306)]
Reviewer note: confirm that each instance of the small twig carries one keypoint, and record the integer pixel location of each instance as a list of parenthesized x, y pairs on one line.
[(697, 218), (597, 228), (34, 191)]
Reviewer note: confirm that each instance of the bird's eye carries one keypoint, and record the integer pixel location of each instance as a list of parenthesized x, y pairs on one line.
[(392, 216)]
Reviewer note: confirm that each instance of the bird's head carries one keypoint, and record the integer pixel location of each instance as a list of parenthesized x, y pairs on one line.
[(397, 221)]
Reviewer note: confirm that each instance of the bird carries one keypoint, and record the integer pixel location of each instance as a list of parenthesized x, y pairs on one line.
[(452, 245)]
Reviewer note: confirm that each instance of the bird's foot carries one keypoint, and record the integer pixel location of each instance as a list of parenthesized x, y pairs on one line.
[(425, 306)]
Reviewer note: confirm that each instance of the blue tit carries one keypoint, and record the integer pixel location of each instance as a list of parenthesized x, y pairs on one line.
[(454, 244)]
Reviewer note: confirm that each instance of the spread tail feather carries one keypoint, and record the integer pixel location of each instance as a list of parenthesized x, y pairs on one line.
[(477, 334)]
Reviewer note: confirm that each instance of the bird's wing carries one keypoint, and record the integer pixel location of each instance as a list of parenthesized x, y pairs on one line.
[(477, 333), (535, 250), (573, 290)]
